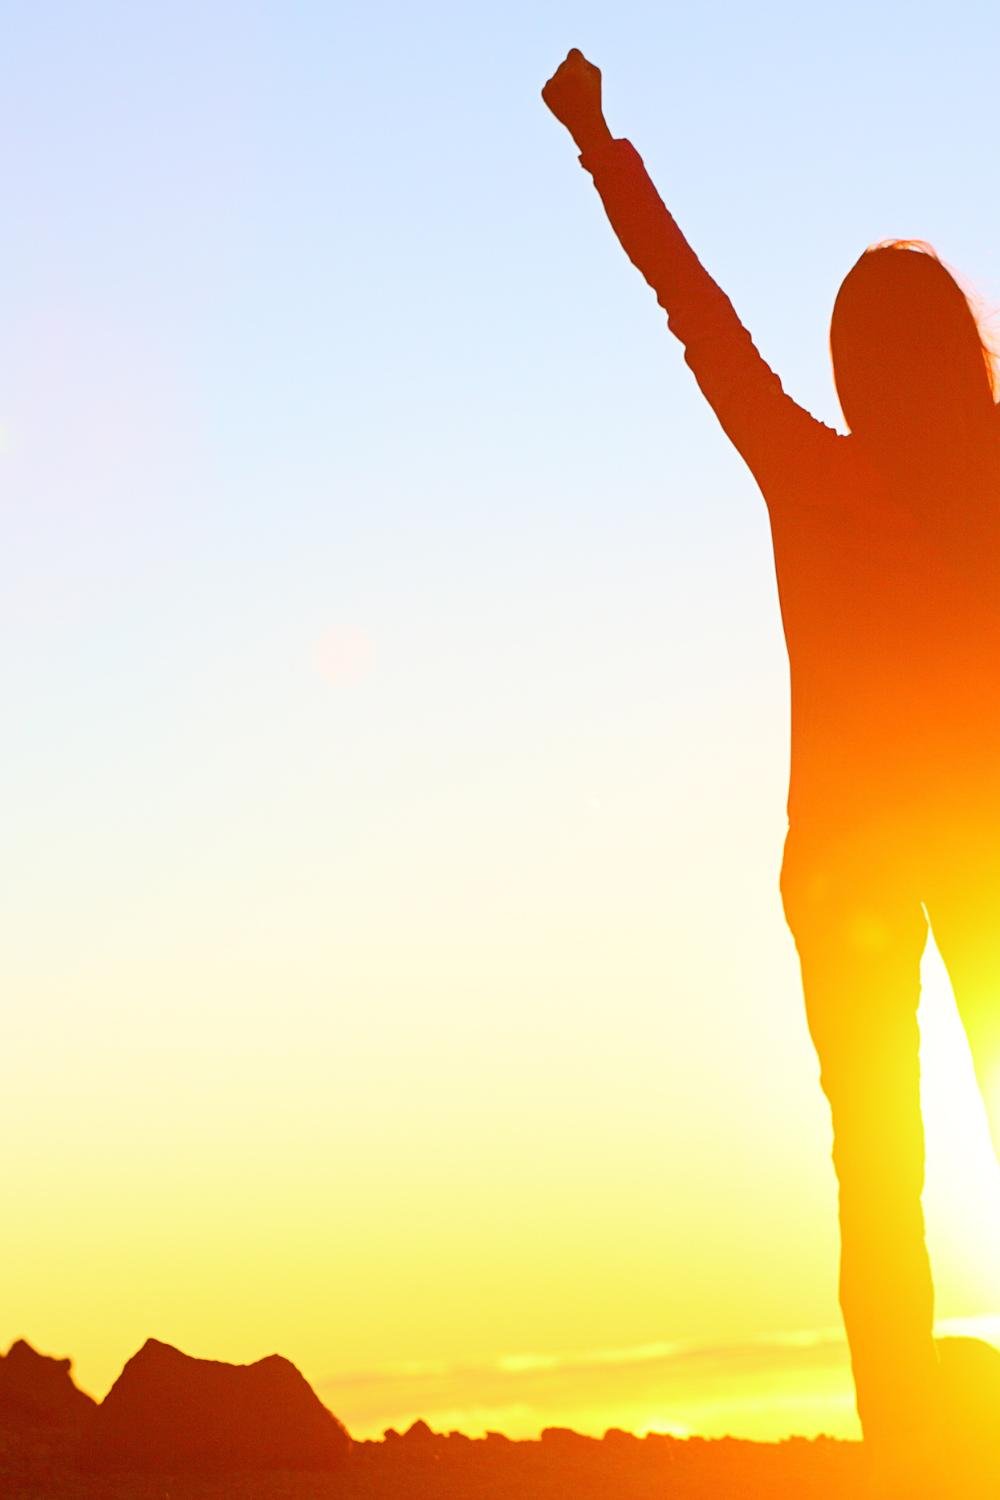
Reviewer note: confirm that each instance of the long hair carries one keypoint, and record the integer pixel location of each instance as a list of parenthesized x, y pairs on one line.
[(913, 369)]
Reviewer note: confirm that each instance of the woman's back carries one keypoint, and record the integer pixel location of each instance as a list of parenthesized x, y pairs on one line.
[(891, 613)]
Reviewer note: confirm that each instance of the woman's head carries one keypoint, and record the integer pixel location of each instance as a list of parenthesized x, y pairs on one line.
[(909, 360)]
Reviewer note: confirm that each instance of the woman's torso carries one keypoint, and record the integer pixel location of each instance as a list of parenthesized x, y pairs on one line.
[(889, 599)]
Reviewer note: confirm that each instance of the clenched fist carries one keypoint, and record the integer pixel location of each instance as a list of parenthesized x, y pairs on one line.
[(573, 94)]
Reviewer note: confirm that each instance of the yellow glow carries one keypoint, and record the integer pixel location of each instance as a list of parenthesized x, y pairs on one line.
[(962, 1199)]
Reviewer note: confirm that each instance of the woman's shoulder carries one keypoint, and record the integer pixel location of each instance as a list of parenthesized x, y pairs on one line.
[(827, 475)]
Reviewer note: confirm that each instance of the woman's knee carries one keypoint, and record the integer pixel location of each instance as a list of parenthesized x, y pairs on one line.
[(847, 912)]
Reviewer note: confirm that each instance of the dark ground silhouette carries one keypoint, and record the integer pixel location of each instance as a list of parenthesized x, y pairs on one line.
[(200, 1430), (164, 1442), (557, 1467)]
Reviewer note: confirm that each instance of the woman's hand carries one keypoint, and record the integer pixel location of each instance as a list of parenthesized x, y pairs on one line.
[(573, 94)]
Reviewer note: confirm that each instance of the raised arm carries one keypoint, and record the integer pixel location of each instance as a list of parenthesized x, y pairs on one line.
[(767, 426)]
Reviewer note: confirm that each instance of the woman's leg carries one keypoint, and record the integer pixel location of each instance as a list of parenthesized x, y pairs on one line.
[(860, 931)]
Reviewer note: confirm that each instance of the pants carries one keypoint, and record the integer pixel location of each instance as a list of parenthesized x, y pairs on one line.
[(858, 905)]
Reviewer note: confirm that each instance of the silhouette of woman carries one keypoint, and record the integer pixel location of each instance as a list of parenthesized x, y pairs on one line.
[(886, 543)]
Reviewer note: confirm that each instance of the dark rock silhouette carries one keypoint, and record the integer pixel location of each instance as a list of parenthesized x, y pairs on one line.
[(167, 1411), (38, 1396), (970, 1391), (418, 1432), (970, 1371), (565, 1465)]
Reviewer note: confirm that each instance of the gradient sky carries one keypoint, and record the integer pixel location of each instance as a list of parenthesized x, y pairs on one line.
[(395, 744)]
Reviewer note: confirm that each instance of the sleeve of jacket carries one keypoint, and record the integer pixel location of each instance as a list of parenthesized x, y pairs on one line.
[(768, 428)]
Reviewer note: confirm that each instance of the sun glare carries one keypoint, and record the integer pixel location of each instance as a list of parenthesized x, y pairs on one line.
[(962, 1198)]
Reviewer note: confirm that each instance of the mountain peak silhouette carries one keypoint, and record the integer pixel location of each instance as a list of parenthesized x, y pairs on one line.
[(38, 1393), (169, 1410)]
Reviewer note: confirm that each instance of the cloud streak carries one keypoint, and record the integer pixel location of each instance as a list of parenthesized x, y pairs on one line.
[(766, 1387), (664, 1386)]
